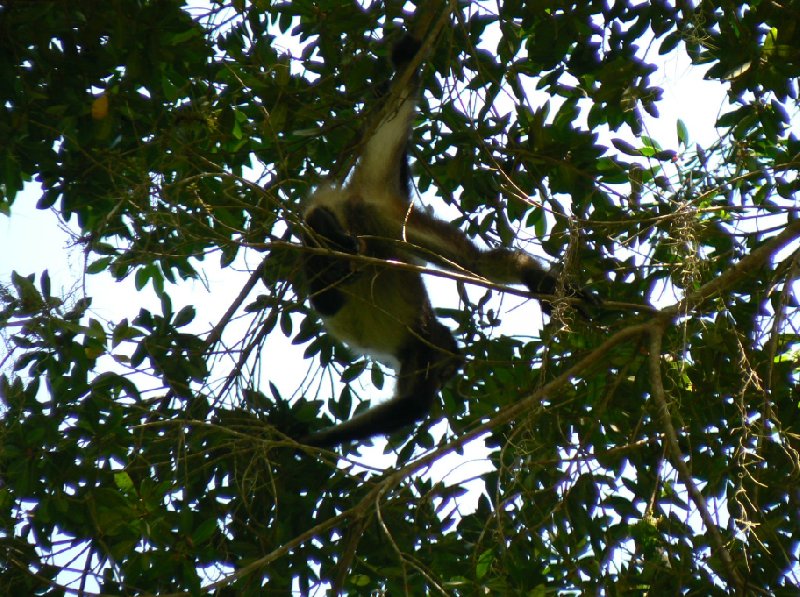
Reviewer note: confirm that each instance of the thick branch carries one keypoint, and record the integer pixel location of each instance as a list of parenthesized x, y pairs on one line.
[(747, 266), (676, 457)]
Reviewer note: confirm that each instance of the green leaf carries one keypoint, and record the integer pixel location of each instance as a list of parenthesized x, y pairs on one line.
[(626, 147), (353, 371), (683, 134), (205, 531), (99, 265), (184, 316), (124, 482)]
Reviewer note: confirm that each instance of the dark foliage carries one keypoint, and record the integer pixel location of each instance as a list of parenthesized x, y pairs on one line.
[(651, 450)]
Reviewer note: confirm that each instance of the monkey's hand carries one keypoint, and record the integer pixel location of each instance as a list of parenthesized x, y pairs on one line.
[(404, 51), (540, 281)]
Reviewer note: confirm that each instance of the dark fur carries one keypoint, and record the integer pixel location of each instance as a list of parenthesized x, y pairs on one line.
[(382, 310)]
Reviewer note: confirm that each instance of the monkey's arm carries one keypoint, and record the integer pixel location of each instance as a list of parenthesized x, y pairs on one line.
[(325, 273), (440, 242)]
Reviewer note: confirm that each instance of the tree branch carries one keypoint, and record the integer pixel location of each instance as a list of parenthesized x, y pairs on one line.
[(676, 457)]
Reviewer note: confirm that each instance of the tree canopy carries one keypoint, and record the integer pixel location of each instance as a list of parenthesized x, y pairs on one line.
[(652, 448)]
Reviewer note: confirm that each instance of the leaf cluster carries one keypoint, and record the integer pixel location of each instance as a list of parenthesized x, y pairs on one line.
[(653, 449)]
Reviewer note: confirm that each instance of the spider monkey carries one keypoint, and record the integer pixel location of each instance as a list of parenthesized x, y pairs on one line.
[(382, 310)]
